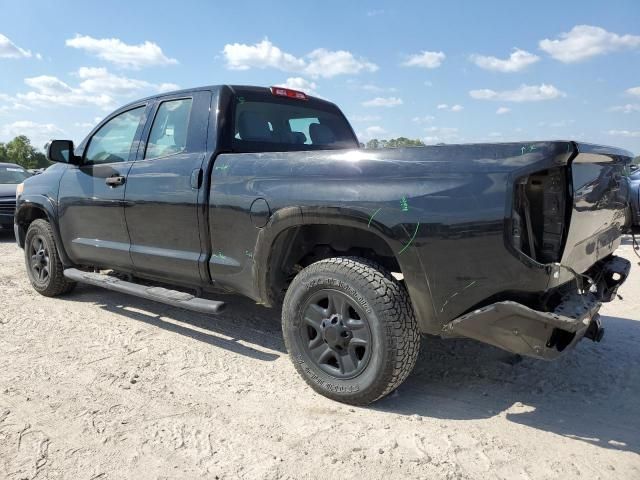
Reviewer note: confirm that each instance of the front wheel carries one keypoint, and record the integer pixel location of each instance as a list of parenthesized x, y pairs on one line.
[(350, 329), (43, 263)]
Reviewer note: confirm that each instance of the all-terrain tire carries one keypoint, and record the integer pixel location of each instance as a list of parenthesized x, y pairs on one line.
[(393, 330), (40, 247)]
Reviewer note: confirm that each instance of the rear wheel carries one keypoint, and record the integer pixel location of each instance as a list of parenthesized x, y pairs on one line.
[(350, 329), (43, 263)]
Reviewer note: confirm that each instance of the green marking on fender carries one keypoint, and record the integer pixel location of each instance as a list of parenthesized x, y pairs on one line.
[(410, 240), (373, 215)]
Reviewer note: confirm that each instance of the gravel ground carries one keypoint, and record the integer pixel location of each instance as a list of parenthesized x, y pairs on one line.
[(97, 385)]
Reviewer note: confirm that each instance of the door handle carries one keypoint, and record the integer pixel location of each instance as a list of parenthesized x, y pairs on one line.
[(115, 181)]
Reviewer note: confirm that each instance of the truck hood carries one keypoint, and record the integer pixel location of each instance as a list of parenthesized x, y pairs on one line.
[(7, 190)]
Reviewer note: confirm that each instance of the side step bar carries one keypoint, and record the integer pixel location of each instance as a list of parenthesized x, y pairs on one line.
[(158, 294)]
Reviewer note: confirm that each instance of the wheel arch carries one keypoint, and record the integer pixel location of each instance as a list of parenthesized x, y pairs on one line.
[(33, 207), (313, 233)]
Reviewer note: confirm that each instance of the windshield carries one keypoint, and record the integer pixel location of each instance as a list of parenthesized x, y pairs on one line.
[(271, 124), (13, 175)]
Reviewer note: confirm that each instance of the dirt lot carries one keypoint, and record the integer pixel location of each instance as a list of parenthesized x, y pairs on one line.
[(100, 385)]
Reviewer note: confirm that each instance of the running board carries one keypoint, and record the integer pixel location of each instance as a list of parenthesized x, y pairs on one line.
[(158, 294)]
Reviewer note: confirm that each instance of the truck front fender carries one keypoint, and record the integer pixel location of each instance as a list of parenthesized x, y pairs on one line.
[(31, 207)]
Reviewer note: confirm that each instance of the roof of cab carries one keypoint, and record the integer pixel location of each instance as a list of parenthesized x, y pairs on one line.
[(234, 89)]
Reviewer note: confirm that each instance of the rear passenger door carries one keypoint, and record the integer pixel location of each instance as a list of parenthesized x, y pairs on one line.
[(164, 188)]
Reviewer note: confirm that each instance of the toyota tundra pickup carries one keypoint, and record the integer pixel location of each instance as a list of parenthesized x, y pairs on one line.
[(266, 193)]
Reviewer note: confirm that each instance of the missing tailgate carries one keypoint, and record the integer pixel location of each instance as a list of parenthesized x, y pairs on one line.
[(539, 214)]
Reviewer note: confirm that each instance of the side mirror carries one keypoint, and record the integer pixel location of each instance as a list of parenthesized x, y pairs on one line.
[(61, 151)]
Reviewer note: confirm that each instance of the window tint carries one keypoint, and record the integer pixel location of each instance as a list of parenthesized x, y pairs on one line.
[(112, 142), (169, 131), (266, 124)]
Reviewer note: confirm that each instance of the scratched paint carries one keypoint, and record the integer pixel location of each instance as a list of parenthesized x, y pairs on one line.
[(373, 215), (410, 240)]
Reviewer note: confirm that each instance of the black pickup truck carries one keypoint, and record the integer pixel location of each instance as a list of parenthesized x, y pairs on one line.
[(265, 192)]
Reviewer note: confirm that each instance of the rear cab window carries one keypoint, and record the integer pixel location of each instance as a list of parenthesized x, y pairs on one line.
[(268, 123)]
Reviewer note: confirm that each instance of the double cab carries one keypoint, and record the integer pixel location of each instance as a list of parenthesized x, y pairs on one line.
[(266, 192)]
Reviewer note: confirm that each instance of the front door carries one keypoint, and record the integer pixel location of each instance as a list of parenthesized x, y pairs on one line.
[(91, 198), (163, 189)]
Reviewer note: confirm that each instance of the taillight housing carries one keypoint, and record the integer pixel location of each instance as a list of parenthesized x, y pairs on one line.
[(539, 217)]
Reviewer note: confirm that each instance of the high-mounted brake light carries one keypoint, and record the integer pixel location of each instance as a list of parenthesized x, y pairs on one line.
[(287, 92)]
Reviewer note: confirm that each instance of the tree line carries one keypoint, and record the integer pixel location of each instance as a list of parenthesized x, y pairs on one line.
[(21, 152), (394, 143)]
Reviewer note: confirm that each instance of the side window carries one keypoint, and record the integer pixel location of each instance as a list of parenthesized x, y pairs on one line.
[(169, 130), (112, 142)]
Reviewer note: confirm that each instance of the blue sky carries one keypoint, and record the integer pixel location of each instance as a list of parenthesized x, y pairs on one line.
[(443, 71)]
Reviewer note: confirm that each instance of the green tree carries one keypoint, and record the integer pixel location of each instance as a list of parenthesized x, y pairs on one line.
[(20, 151), (3, 153), (395, 143)]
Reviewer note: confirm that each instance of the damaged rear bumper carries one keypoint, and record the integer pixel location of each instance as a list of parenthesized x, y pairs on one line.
[(519, 329)]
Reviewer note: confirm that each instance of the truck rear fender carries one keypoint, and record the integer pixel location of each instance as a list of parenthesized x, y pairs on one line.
[(277, 243)]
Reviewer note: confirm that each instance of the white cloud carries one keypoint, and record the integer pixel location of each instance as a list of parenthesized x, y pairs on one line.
[(97, 87), (425, 59), (8, 49), (48, 85), (121, 54), (634, 91), (375, 130), (369, 133), (264, 54), (86, 125), (557, 123), (11, 104), (50, 91), (503, 111), (627, 108), (99, 80), (318, 63), (375, 88), (383, 102), (325, 63), (524, 93), (441, 134), (452, 108), (423, 119), (365, 118), (624, 133), (374, 13), (586, 41), (518, 60), (38, 133), (301, 84), (15, 106)]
